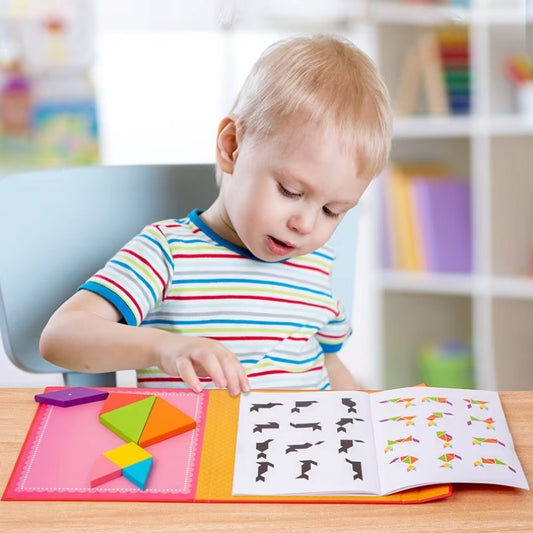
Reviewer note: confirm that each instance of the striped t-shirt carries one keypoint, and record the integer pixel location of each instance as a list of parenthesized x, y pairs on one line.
[(279, 318)]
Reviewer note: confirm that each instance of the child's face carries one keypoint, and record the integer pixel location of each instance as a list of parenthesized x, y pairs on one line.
[(288, 193)]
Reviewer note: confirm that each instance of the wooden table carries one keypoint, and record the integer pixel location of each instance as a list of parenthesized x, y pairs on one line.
[(470, 508)]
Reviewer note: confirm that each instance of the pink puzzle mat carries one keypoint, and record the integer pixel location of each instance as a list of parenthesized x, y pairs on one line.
[(64, 443)]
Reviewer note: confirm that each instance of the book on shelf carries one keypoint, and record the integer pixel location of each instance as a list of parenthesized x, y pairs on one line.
[(445, 223), (426, 222)]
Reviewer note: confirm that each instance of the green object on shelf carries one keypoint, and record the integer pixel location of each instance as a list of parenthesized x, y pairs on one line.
[(447, 365)]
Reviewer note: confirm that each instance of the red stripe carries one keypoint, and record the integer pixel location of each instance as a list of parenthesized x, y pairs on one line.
[(269, 372), (132, 299), (194, 256), (242, 338), (170, 379), (257, 338), (331, 336), (307, 267), (147, 263), (245, 297)]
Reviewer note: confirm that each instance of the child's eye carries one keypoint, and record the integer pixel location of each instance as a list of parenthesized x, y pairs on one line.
[(287, 193), (329, 213)]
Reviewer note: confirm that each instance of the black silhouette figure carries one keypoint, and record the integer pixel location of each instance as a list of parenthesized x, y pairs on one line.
[(257, 406), (300, 404), (342, 423), (306, 467), (262, 468), (315, 426), (262, 447), (346, 444), (298, 447), (270, 425), (348, 402), (356, 467)]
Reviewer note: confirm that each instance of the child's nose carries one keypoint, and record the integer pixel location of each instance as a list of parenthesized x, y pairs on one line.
[(303, 222)]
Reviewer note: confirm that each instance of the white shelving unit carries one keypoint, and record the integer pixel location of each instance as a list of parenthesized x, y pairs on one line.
[(492, 307)]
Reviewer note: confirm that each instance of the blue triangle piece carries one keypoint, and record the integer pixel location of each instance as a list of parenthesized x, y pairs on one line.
[(138, 473)]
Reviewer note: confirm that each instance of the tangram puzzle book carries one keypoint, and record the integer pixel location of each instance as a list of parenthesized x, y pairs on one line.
[(87, 452), (354, 442)]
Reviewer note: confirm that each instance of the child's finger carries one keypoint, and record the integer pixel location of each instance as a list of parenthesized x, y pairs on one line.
[(187, 373)]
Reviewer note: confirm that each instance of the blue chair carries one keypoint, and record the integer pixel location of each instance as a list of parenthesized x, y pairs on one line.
[(59, 226)]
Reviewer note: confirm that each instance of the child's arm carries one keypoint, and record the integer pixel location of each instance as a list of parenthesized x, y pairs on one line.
[(340, 377), (85, 335)]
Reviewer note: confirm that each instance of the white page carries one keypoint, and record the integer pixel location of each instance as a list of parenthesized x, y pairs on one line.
[(473, 433), (277, 454)]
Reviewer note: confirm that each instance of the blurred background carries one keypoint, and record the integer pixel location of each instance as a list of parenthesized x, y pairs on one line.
[(443, 290)]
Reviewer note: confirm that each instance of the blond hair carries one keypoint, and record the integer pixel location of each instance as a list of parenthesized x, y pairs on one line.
[(326, 80)]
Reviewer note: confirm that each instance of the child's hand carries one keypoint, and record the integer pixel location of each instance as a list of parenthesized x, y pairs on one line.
[(190, 357)]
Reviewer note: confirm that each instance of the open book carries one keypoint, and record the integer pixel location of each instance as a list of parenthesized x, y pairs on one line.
[(372, 443)]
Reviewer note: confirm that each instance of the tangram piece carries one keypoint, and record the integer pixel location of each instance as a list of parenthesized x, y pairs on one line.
[(71, 396), (127, 455), (116, 400), (104, 470), (138, 473), (128, 421), (165, 421)]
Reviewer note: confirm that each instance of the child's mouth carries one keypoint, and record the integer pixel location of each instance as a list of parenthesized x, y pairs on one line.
[(278, 247)]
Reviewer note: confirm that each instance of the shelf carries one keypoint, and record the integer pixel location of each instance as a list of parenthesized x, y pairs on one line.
[(431, 15), (512, 287), (430, 283), (457, 126), (420, 14), (431, 126)]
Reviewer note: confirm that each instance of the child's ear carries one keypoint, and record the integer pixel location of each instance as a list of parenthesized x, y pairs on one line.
[(228, 139)]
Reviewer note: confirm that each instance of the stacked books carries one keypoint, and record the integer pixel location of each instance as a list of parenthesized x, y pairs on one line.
[(427, 222), (436, 71)]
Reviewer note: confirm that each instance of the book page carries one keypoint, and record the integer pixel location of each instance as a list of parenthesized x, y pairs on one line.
[(305, 443), (428, 435)]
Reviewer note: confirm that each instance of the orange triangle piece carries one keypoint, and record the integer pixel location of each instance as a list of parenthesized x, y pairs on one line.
[(116, 400), (164, 421)]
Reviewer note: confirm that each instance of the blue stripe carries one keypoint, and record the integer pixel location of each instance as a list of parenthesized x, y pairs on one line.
[(137, 275), (331, 348), (113, 298), (322, 254), (187, 241), (249, 281), (169, 259), (226, 321), (281, 359), (326, 386)]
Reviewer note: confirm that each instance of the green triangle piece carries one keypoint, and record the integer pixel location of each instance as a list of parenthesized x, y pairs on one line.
[(138, 473), (128, 421)]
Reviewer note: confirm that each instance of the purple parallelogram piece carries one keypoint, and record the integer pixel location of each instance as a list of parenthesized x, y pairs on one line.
[(71, 396)]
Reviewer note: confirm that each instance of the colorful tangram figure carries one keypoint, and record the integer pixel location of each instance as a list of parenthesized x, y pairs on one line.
[(492, 461), (409, 460), (141, 423), (446, 438), (447, 459), (433, 417)]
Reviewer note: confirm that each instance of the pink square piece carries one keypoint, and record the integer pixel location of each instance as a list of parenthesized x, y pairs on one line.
[(71, 396)]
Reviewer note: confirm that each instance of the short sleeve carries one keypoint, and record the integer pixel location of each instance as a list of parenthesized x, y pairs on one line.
[(334, 334), (136, 279)]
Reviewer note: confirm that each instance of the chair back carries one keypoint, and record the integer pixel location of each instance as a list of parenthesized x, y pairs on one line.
[(59, 226)]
